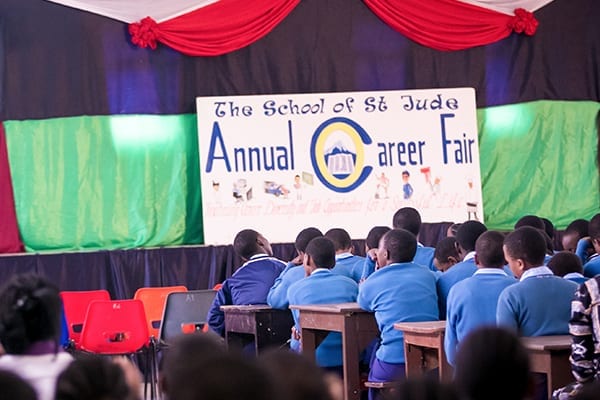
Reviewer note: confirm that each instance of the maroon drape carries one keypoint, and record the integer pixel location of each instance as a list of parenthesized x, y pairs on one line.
[(216, 29), (10, 241), (450, 24)]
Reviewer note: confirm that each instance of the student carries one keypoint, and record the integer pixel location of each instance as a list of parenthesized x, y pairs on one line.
[(538, 223), (452, 229), (399, 291), (30, 329), (446, 254), (584, 327), (492, 364), (568, 266), (472, 302), (293, 272), (251, 283), (14, 387), (591, 244), (97, 378), (322, 286), (371, 243), (467, 235), (539, 304), (575, 231), (409, 218), (346, 263)]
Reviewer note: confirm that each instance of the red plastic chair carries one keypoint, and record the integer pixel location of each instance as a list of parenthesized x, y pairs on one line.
[(154, 299), (75, 304)]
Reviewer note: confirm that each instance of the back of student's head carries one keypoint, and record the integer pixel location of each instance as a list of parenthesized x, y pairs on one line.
[(594, 227), (489, 249), (492, 364), (296, 377), (452, 230), (375, 235), (13, 386), (322, 251), (340, 238), (423, 389), (564, 263), (94, 378), (548, 227), (407, 218), (305, 236), (245, 243), (530, 220), (446, 254), (576, 230), (30, 310), (468, 233), (528, 244), (400, 244)]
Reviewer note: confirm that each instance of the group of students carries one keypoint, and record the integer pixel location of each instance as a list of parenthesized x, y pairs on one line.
[(489, 287)]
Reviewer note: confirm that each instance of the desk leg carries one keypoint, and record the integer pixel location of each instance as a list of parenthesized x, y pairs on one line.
[(350, 350), (445, 369), (309, 343), (413, 360), (560, 371)]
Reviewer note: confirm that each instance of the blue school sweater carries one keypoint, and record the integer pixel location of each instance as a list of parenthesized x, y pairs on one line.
[(278, 294), (538, 305), (349, 265), (472, 303), (248, 285), (403, 292), (424, 256), (324, 287), (368, 268), (592, 267), (462, 270)]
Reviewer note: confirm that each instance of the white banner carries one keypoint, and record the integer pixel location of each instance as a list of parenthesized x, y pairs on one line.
[(280, 163)]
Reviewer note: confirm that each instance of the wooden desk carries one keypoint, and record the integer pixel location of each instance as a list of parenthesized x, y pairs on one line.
[(550, 355), (357, 326), (261, 324), (424, 348)]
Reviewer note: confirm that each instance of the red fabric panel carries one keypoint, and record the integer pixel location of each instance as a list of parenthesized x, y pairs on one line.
[(450, 24), (216, 29), (10, 241)]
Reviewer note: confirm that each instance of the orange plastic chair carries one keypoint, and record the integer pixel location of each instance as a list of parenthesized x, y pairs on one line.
[(75, 304), (154, 299)]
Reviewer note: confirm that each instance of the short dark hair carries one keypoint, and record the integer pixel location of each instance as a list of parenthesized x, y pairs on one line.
[(565, 262), (305, 236), (245, 243), (486, 360), (594, 227), (30, 311), (468, 233), (400, 244), (526, 243), (548, 227), (530, 220), (407, 218), (489, 249), (446, 248), (322, 251), (579, 226), (340, 238), (374, 236), (95, 378), (15, 387)]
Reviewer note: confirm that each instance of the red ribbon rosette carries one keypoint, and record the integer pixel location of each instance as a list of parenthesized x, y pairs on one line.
[(523, 22), (143, 33)]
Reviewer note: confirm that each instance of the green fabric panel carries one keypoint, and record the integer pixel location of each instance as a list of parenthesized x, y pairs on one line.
[(106, 182), (539, 158)]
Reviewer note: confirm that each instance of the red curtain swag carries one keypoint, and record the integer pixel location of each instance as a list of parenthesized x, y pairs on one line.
[(10, 241), (216, 29)]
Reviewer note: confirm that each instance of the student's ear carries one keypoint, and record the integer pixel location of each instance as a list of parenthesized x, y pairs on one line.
[(452, 260), (476, 259)]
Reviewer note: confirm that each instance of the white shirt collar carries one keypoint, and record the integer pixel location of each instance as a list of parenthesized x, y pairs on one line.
[(470, 255), (319, 270), (490, 271), (343, 256), (259, 255), (572, 275), (536, 271)]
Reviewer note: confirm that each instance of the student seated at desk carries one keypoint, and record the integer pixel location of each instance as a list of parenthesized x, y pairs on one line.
[(371, 243), (576, 230), (540, 303), (446, 254), (472, 302), (399, 291), (346, 263), (322, 286), (251, 282), (568, 266), (591, 244), (409, 218)]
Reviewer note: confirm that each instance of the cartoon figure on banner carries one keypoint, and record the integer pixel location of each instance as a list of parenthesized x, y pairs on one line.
[(407, 189), (216, 186), (434, 185), (381, 189), (472, 202), (241, 191), (276, 189), (297, 187)]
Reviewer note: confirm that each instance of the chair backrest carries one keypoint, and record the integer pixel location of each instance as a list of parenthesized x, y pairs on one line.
[(115, 327), (75, 305), (154, 299), (185, 313)]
